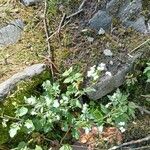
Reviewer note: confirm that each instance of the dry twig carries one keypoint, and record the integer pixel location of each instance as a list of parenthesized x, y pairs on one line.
[(74, 14), (47, 37), (131, 142), (82, 4), (139, 46)]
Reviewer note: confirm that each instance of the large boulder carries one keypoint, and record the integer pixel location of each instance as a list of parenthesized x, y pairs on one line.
[(107, 84)]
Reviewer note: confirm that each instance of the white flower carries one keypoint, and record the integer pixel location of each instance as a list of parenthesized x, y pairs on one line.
[(87, 130), (57, 117), (121, 123), (108, 73), (56, 104), (107, 105), (91, 71), (100, 129), (122, 129), (84, 109), (101, 67), (95, 76)]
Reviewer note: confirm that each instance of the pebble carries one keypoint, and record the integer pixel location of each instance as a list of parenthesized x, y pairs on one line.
[(111, 62), (101, 31), (108, 52), (90, 39)]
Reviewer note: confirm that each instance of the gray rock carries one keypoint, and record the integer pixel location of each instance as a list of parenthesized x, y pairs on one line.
[(129, 13), (7, 86), (124, 9), (30, 2), (109, 83), (138, 25), (113, 7), (100, 20), (11, 33)]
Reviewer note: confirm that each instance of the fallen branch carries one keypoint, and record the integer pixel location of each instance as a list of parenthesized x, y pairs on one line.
[(47, 37), (130, 143), (82, 4), (139, 46), (141, 109)]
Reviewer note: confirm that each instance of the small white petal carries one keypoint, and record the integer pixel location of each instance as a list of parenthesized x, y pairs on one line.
[(121, 123), (122, 129), (108, 73), (101, 66), (56, 104)]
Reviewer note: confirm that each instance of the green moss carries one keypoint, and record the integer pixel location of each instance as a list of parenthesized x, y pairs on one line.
[(25, 88)]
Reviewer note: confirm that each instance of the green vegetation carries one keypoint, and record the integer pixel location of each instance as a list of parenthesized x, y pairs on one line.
[(59, 107)]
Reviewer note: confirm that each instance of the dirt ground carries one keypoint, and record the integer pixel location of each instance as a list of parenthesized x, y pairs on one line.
[(70, 47)]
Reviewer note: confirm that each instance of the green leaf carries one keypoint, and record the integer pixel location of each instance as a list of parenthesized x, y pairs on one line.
[(13, 129), (75, 134), (22, 111), (31, 100), (78, 104), (66, 147), (68, 80), (104, 109), (29, 125), (68, 72), (38, 147)]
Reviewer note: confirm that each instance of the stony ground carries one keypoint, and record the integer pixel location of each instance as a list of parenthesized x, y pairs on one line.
[(71, 47)]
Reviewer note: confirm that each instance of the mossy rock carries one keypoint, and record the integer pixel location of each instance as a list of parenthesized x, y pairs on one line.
[(23, 89)]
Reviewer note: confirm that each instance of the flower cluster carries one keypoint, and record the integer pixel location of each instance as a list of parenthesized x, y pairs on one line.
[(95, 71)]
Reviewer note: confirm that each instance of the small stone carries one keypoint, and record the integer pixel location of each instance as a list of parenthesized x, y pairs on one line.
[(108, 52), (111, 62), (101, 31), (90, 39)]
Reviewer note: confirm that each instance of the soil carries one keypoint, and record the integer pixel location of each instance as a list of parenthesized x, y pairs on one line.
[(71, 46)]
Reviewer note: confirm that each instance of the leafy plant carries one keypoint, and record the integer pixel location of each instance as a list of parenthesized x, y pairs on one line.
[(117, 112), (59, 107)]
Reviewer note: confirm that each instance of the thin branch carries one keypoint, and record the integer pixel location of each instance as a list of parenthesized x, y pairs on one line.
[(57, 30), (47, 37), (74, 14), (65, 135), (61, 23), (82, 4), (130, 143), (139, 46)]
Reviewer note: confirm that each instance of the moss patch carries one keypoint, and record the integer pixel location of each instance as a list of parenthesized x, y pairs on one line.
[(25, 88)]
